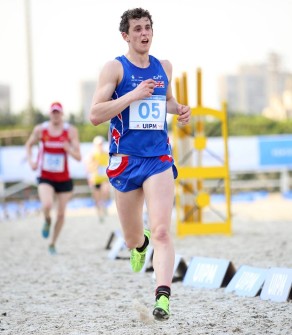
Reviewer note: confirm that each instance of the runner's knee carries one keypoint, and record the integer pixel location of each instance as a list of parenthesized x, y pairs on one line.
[(160, 233)]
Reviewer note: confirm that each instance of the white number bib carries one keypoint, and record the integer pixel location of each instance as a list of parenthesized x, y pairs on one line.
[(53, 162), (148, 114)]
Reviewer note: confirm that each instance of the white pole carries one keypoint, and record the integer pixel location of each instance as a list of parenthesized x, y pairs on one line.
[(29, 60)]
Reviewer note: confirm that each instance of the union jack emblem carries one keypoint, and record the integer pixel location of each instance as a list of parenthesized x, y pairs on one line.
[(159, 84)]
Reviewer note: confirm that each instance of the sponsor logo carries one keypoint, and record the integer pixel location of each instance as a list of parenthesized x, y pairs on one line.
[(150, 126), (55, 145), (136, 80)]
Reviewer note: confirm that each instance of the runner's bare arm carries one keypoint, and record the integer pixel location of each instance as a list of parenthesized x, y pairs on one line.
[(173, 107), (73, 147), (32, 140), (103, 107)]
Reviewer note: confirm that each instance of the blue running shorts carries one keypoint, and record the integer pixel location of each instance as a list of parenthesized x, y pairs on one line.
[(128, 173)]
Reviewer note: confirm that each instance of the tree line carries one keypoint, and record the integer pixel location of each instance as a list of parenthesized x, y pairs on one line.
[(14, 129)]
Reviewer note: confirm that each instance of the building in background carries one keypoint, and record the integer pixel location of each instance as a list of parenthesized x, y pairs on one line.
[(4, 100), (259, 89), (280, 106)]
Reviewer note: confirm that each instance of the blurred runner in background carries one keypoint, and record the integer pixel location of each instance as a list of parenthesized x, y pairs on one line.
[(57, 140), (96, 164)]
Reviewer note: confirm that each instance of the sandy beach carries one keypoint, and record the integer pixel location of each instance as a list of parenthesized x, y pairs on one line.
[(80, 291)]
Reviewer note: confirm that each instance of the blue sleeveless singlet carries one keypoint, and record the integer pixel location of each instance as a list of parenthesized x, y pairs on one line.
[(141, 128)]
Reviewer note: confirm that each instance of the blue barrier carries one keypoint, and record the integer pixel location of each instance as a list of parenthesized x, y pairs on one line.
[(240, 197)]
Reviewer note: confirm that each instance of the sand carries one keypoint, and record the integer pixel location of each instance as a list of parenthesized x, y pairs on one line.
[(81, 291)]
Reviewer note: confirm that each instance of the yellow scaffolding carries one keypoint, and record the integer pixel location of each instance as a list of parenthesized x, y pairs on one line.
[(192, 198)]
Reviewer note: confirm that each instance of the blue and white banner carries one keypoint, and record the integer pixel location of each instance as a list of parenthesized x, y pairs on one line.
[(14, 166), (275, 151), (246, 153)]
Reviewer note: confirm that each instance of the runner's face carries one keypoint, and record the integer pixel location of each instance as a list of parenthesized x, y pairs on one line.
[(56, 116), (140, 34)]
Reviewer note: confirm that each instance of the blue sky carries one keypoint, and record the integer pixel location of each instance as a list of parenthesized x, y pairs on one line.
[(72, 39)]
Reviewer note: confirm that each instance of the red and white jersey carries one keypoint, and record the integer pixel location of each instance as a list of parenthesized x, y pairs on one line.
[(53, 159)]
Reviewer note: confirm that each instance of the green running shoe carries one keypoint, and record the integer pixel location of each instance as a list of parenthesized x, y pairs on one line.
[(137, 259), (46, 230), (161, 309)]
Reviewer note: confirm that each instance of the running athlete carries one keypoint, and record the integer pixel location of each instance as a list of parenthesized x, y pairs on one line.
[(134, 93), (58, 140), (96, 164)]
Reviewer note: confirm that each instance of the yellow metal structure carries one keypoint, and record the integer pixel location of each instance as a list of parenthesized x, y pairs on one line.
[(191, 197)]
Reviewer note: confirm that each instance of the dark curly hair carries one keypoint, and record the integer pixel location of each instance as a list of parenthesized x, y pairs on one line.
[(136, 13)]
